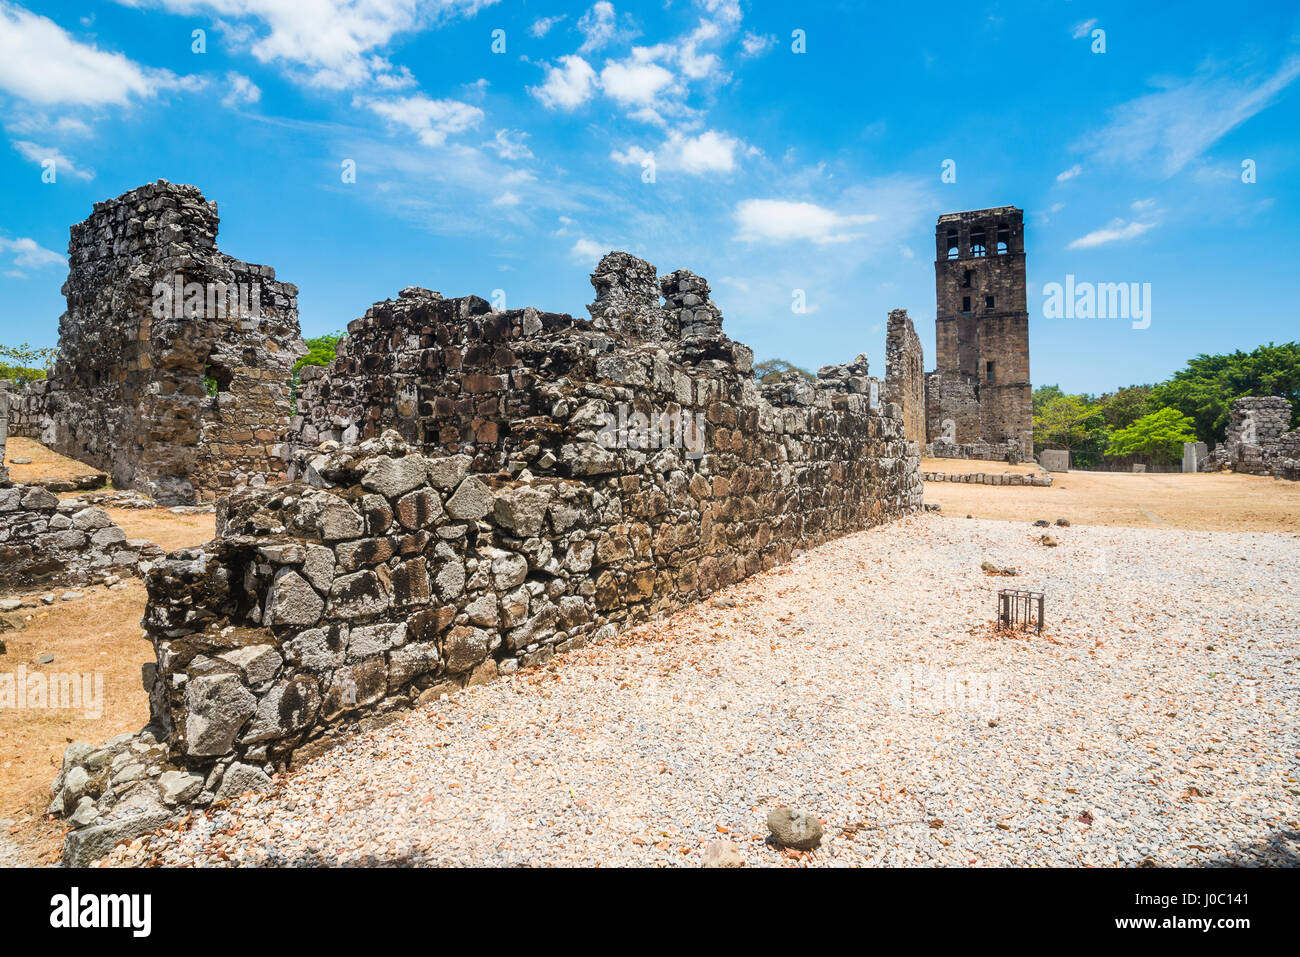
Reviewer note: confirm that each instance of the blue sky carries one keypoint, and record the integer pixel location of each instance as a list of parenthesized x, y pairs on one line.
[(774, 170)]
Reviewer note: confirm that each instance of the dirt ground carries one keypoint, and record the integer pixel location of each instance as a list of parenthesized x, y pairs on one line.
[(1216, 502), (164, 529), (98, 635), (44, 464)]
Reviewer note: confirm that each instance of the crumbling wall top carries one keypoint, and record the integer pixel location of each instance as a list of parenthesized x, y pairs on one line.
[(627, 297)]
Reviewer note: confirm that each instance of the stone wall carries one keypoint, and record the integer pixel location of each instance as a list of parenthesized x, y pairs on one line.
[(156, 317), (989, 478), (47, 542), (905, 375), (6, 400), (1257, 440), (525, 483)]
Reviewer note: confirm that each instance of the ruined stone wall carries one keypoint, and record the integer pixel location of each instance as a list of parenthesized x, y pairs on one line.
[(153, 309), (1257, 440), (905, 376), (45, 541), (952, 409), (6, 401), (622, 478)]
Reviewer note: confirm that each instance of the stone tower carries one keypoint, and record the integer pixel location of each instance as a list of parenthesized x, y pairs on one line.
[(980, 391)]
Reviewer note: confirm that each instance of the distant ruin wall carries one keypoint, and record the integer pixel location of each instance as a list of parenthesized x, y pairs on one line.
[(154, 310), (45, 541), (1257, 440), (5, 403), (905, 374), (559, 483)]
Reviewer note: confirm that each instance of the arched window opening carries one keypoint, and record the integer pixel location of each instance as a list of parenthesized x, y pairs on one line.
[(1004, 239), (953, 251), (977, 247)]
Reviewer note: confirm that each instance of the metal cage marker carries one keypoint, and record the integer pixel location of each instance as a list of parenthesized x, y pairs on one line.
[(1018, 608)]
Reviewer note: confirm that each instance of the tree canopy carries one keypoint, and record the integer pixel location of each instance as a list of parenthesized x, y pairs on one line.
[(1159, 435), (770, 370), (1205, 390)]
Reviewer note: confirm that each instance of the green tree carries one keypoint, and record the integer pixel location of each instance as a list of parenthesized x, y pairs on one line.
[(320, 351), (1205, 389), (1071, 422), (771, 370), (1159, 435), (29, 364), (1123, 407)]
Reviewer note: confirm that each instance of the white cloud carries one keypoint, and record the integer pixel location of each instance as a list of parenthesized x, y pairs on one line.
[(1069, 174), (242, 90), (567, 86), (588, 250), (707, 152), (63, 165), (597, 26), (42, 63), (774, 220), (28, 254), (754, 44), (1082, 30), (433, 120), (633, 81), (1116, 231), (542, 25), (507, 199), (510, 145), (328, 43), (1168, 129)]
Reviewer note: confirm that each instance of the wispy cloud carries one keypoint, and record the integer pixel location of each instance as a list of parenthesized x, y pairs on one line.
[(331, 44), (1117, 230), (542, 25), (778, 221), (63, 165), (432, 120), (1168, 129), (709, 152), (241, 90), (1069, 174), (29, 254)]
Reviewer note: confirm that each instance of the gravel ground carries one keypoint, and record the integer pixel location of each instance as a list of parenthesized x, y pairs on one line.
[(1155, 721)]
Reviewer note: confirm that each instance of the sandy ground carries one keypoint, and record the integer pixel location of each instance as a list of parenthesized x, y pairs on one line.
[(165, 529), (98, 635), (863, 682), (45, 464), (1202, 501)]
